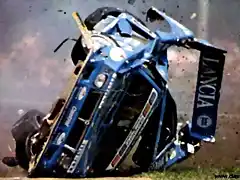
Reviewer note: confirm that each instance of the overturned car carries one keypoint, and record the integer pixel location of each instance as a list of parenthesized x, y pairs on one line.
[(117, 113)]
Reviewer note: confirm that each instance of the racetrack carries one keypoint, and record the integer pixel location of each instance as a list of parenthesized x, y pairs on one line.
[(31, 75)]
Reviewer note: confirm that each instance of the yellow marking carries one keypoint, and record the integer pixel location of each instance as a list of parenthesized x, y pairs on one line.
[(71, 83), (86, 34), (65, 95), (144, 65)]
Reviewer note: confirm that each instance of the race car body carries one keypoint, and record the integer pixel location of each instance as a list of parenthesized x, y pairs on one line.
[(117, 106)]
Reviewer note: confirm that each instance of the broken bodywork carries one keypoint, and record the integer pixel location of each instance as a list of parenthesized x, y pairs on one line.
[(117, 108)]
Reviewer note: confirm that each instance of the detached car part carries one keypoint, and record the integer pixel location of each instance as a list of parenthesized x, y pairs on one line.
[(117, 113)]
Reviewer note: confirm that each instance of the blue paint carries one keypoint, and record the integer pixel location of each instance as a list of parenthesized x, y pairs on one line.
[(155, 52)]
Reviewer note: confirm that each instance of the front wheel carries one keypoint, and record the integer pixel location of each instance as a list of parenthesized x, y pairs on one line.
[(23, 131)]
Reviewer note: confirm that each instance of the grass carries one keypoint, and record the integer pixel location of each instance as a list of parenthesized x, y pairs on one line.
[(177, 173), (194, 174)]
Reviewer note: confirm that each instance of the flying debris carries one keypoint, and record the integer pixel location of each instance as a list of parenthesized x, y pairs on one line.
[(20, 111), (131, 2), (193, 16)]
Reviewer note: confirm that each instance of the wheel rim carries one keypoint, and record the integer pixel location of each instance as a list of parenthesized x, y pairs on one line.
[(29, 145)]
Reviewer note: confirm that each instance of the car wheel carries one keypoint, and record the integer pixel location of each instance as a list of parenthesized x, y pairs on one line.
[(22, 131)]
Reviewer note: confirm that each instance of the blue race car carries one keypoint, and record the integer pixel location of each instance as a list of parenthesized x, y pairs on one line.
[(117, 114)]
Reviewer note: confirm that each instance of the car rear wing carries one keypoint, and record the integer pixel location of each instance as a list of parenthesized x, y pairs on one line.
[(207, 94), (202, 127), (209, 79)]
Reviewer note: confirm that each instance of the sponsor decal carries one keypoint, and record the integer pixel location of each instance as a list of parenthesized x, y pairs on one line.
[(204, 121), (82, 93), (70, 116), (136, 130), (207, 84), (107, 91), (61, 138), (207, 93), (77, 157)]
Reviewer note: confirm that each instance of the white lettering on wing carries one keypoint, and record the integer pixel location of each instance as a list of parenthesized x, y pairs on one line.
[(207, 88)]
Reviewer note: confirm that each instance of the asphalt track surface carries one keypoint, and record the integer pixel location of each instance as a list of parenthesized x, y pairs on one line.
[(31, 75)]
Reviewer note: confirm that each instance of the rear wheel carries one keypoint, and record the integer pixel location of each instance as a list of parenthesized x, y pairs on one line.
[(22, 131)]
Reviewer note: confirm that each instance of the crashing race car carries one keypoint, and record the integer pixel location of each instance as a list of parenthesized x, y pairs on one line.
[(117, 114)]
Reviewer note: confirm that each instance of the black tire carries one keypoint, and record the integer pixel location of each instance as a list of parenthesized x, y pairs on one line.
[(25, 127), (78, 51)]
